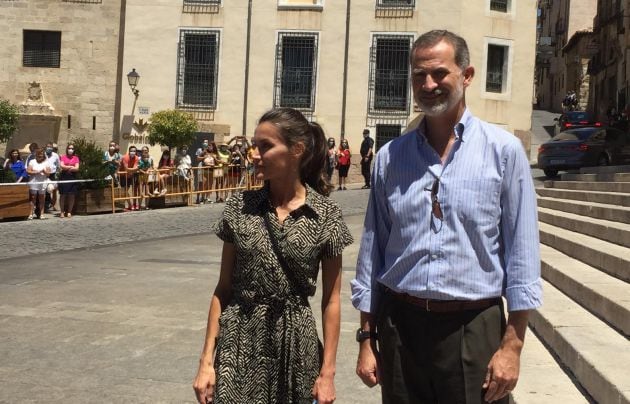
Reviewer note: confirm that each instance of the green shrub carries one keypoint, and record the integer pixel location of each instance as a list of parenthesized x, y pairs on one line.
[(6, 176), (91, 167), (172, 128), (8, 120)]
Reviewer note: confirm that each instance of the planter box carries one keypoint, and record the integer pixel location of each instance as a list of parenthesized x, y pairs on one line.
[(14, 202), (93, 201)]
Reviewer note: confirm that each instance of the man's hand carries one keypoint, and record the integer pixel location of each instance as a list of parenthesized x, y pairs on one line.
[(504, 366), (502, 374), (367, 364)]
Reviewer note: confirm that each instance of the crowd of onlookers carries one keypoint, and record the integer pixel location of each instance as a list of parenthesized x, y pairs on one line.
[(50, 177), (213, 172)]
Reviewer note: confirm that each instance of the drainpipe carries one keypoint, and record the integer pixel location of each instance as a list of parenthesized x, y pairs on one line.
[(345, 72), (246, 90)]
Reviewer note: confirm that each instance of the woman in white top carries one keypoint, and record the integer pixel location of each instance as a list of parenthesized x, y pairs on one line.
[(38, 169)]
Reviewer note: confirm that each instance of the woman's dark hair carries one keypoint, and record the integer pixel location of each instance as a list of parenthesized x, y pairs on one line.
[(331, 139), (295, 128), (11, 153), (132, 147), (68, 146)]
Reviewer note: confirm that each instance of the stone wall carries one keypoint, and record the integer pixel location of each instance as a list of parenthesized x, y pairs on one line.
[(84, 86)]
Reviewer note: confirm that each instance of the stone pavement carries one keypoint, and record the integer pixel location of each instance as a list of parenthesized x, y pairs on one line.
[(113, 308)]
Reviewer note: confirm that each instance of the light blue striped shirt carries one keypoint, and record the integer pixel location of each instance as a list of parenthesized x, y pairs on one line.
[(487, 243)]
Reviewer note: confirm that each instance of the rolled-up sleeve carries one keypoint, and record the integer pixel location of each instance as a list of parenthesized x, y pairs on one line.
[(370, 262), (519, 225)]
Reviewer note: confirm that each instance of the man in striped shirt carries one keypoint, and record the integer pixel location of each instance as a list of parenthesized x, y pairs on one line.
[(450, 229)]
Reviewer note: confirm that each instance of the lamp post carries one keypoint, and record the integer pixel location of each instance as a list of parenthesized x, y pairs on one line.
[(133, 77)]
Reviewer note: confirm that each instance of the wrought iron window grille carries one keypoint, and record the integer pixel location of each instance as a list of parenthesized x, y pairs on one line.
[(83, 1), (395, 8), (197, 69), (499, 5), (296, 71), (495, 74), (389, 85), (41, 48), (201, 6), (386, 133)]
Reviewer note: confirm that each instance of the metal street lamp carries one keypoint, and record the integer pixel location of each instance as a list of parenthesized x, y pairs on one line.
[(133, 77)]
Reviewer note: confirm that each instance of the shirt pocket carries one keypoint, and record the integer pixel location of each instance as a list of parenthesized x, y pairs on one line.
[(478, 201)]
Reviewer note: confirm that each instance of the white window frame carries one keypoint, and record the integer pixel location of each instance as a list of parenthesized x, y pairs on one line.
[(316, 5), (510, 14), (506, 93)]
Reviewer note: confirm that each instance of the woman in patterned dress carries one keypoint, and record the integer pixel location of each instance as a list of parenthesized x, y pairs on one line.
[(261, 342)]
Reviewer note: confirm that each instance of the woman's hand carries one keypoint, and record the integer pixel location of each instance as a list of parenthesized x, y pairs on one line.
[(204, 384), (324, 390)]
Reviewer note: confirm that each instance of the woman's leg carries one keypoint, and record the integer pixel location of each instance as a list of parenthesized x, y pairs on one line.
[(31, 198), (70, 204), (62, 204), (41, 196)]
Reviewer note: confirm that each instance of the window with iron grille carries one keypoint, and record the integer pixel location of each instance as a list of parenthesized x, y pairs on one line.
[(41, 48), (198, 69), (499, 5), (395, 4), (201, 6), (496, 68), (83, 1), (296, 70), (385, 133), (388, 90)]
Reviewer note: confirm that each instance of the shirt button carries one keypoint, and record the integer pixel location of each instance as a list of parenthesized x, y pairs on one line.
[(434, 256)]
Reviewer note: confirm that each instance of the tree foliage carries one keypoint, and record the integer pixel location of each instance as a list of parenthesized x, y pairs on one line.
[(172, 128), (8, 120), (91, 165)]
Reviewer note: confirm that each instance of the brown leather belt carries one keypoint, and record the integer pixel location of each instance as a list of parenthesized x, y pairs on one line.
[(444, 306)]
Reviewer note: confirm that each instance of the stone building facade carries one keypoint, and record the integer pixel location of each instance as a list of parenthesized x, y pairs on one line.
[(343, 63), (59, 64)]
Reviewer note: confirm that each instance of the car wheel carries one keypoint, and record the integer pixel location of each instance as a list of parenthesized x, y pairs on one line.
[(550, 173), (602, 160)]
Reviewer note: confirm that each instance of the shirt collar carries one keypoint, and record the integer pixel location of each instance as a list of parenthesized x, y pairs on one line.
[(310, 203), (460, 127)]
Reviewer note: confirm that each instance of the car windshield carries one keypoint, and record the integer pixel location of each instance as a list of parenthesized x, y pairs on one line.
[(578, 116), (575, 134)]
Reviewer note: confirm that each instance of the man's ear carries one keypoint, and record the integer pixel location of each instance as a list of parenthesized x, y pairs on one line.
[(468, 73)]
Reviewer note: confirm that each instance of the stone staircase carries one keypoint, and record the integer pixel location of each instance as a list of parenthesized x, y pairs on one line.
[(579, 350)]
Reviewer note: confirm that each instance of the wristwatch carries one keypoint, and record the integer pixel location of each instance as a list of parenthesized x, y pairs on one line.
[(362, 334)]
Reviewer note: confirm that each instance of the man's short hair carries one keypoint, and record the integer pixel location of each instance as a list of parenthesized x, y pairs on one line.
[(366, 131), (432, 38)]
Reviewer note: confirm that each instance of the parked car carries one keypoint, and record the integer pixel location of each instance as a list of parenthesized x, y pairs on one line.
[(574, 119), (584, 147)]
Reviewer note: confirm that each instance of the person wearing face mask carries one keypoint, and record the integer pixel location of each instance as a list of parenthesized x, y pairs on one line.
[(38, 170), (68, 190), (331, 160), (54, 162), (184, 163), (111, 159), (129, 178), (343, 156)]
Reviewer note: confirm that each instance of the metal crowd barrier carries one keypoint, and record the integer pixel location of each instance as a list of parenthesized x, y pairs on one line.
[(172, 187)]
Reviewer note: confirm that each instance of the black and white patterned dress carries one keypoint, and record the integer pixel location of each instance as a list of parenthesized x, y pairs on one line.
[(267, 349)]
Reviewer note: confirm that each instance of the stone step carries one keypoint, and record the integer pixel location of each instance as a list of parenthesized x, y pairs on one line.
[(589, 186), (601, 294), (594, 353), (590, 209), (605, 169), (542, 379), (608, 257), (609, 198), (622, 177), (614, 232)]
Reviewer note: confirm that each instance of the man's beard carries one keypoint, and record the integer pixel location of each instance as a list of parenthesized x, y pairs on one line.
[(441, 106)]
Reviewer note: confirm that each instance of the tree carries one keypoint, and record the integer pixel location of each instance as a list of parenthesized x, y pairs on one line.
[(172, 128), (8, 120), (91, 165)]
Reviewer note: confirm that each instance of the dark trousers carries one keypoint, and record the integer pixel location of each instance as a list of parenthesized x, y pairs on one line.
[(365, 169), (436, 358)]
